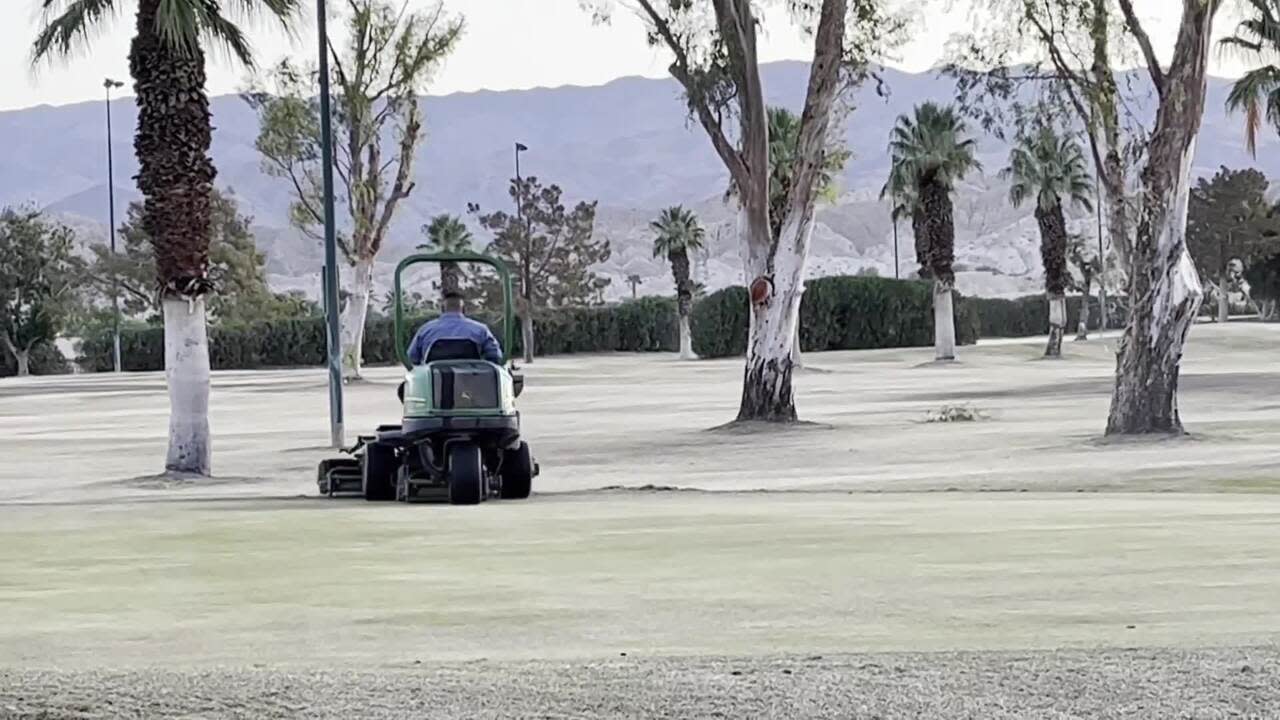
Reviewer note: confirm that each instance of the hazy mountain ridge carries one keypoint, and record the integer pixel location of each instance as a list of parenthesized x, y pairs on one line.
[(628, 144)]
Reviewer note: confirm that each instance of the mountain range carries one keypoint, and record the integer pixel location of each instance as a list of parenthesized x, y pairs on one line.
[(628, 144)]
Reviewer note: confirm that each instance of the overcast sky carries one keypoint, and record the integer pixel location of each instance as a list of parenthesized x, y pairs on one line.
[(508, 44)]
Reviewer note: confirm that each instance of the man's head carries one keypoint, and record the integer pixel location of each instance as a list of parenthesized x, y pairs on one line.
[(454, 302)]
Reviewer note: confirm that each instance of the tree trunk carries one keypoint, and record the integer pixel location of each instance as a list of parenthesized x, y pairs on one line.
[(1224, 302), (686, 340), (175, 177), (186, 369), (1082, 325), (1057, 325), (23, 358), (1053, 254), (1164, 289), (527, 338), (944, 322), (354, 315), (767, 393), (920, 233)]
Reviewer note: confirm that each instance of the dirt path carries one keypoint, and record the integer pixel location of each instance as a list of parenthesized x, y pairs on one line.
[(1133, 685)]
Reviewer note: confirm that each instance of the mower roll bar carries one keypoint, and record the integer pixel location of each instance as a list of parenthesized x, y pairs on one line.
[(508, 311)]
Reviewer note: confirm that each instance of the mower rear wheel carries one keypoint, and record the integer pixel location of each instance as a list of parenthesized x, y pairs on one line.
[(379, 472), (466, 475), (517, 473)]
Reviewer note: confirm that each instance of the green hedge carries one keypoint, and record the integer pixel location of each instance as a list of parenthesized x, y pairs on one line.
[(837, 313), (1029, 315), (641, 325)]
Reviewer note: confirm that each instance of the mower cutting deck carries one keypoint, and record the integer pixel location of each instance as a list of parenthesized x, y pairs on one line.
[(459, 437)]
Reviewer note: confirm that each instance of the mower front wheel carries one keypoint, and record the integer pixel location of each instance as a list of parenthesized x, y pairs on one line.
[(379, 472), (466, 475)]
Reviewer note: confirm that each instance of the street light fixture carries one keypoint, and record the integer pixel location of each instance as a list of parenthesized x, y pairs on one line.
[(108, 84)]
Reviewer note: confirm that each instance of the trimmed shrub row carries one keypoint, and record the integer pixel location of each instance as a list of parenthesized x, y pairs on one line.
[(837, 313), (1029, 315), (647, 324)]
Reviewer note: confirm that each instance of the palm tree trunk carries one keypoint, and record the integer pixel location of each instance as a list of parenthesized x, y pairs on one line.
[(1053, 254), (1082, 325), (354, 315), (920, 230), (1164, 288), (679, 259), (175, 176), (186, 362), (939, 228), (944, 322)]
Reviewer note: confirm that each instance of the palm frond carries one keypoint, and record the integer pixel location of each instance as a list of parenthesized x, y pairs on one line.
[(66, 27)]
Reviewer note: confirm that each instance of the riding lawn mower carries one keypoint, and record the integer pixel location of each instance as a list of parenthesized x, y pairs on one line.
[(459, 436)]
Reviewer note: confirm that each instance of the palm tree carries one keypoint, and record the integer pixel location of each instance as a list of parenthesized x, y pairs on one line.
[(1257, 92), (634, 281), (677, 232), (1051, 168), (901, 191), (448, 234), (1082, 257), (175, 173), (929, 154)]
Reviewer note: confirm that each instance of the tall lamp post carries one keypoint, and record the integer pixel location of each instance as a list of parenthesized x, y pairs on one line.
[(336, 432), (895, 248), (524, 275), (1102, 265), (108, 84)]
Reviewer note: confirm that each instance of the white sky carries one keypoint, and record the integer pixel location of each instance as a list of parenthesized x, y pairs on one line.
[(508, 44)]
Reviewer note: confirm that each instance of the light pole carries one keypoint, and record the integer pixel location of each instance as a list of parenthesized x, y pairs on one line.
[(526, 320), (336, 432), (1102, 266), (107, 85), (895, 248)]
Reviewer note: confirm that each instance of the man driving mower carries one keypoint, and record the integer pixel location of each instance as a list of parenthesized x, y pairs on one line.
[(453, 324)]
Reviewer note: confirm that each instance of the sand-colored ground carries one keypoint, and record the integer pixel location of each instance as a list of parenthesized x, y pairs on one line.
[(1159, 544)]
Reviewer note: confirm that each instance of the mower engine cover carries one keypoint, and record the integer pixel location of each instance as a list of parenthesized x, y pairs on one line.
[(458, 388)]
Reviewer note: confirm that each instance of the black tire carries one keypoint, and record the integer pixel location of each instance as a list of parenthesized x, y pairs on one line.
[(517, 473), (466, 475), (378, 476)]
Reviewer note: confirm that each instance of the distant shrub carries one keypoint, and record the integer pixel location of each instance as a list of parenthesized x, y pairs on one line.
[(837, 313)]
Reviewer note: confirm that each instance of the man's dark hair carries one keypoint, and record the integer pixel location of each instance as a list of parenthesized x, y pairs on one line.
[(453, 301)]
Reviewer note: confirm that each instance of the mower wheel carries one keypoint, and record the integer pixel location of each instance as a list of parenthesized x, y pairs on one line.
[(466, 475), (517, 473), (379, 472)]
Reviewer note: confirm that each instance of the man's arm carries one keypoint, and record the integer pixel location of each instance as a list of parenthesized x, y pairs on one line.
[(416, 349), (489, 347)]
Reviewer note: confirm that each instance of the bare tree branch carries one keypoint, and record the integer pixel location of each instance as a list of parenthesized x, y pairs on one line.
[(681, 70), (1144, 42)]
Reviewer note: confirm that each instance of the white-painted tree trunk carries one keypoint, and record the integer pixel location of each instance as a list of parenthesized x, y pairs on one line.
[(944, 323), (186, 369), (23, 358), (797, 360), (527, 338), (767, 393), (1082, 324), (686, 340), (354, 314), (1057, 325), (1224, 302)]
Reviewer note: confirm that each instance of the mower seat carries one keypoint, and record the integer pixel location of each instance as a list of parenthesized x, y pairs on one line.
[(453, 349)]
